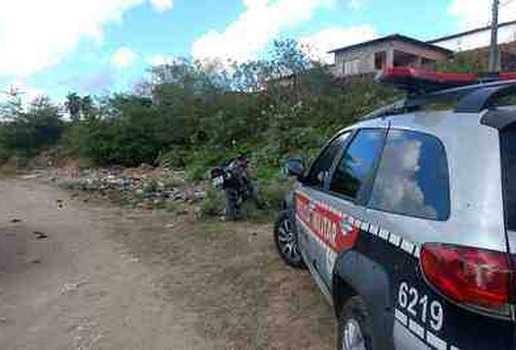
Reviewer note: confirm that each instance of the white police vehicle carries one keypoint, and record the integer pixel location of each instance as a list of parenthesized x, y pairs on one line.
[(407, 219)]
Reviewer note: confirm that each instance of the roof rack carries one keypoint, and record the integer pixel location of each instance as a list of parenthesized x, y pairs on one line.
[(472, 93)]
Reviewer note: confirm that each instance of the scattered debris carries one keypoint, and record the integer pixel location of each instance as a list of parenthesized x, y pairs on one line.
[(144, 187), (40, 235), (70, 287), (30, 176)]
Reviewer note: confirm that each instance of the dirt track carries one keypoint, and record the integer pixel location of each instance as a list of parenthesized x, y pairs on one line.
[(111, 278)]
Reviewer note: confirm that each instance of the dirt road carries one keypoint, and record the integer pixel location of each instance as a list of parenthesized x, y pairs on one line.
[(76, 275)]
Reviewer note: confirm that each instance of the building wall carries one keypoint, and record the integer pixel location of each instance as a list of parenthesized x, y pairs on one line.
[(365, 55), (477, 40)]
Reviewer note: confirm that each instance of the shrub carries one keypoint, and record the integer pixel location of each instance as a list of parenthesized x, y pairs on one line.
[(272, 192), (212, 204)]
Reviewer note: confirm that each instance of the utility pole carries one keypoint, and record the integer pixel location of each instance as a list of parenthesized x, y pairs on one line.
[(494, 52)]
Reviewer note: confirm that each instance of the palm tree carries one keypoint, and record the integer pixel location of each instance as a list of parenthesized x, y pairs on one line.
[(86, 104), (73, 105)]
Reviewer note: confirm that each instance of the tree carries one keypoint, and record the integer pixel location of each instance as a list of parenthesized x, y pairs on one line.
[(12, 106), (87, 107), (73, 105), (38, 127)]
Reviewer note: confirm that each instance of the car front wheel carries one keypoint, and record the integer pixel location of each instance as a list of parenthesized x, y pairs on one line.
[(285, 238)]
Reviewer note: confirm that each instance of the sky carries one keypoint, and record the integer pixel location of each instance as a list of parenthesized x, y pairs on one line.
[(54, 47)]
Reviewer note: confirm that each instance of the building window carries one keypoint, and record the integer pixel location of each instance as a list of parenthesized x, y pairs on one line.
[(428, 63), (352, 67), (380, 60), (405, 59)]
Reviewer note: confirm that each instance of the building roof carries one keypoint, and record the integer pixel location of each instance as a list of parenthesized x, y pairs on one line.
[(393, 37), (472, 31)]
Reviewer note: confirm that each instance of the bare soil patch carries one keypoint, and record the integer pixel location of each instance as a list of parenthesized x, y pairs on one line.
[(114, 278)]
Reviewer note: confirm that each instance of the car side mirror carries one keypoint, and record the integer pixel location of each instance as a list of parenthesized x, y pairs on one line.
[(295, 167)]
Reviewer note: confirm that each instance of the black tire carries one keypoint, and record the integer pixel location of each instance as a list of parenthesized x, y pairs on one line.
[(355, 315), (285, 239)]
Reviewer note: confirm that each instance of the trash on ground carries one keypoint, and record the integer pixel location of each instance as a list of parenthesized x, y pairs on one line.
[(30, 176), (40, 235), (144, 187)]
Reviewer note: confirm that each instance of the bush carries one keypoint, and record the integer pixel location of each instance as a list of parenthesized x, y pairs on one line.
[(271, 193), (212, 204)]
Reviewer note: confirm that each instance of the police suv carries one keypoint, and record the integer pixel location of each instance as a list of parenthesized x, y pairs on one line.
[(407, 219)]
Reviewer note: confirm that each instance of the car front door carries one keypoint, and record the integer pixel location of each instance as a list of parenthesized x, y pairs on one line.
[(315, 182), (327, 208)]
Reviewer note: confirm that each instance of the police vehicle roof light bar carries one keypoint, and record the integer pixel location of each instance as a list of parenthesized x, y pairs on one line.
[(473, 93)]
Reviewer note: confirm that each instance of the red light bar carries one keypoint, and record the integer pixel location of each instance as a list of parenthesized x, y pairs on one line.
[(444, 77), (456, 77), (423, 81), (507, 76)]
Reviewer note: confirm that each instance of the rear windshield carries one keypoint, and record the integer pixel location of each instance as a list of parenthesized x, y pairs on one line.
[(508, 150)]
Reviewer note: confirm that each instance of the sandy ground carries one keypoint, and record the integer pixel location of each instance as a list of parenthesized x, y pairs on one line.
[(87, 275)]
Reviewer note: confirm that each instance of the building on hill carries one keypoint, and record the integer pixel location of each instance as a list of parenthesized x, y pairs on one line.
[(389, 51), (402, 51)]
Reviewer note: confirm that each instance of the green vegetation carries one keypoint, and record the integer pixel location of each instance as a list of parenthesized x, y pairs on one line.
[(25, 131), (197, 115), (466, 62)]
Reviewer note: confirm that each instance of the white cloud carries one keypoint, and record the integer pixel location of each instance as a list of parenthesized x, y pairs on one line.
[(473, 14), (162, 5), (123, 58), (261, 21), (35, 35), (159, 60), (318, 44)]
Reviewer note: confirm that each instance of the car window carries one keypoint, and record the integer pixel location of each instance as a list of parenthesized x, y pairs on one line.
[(508, 150), (321, 167), (412, 177), (357, 162)]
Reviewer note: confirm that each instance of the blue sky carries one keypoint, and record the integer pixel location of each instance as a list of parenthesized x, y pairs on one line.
[(96, 46)]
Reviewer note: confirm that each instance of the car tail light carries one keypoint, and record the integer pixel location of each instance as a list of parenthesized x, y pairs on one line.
[(468, 275)]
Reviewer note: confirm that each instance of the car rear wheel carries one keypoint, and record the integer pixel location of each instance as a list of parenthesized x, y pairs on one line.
[(286, 241), (355, 326)]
